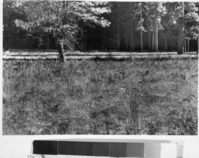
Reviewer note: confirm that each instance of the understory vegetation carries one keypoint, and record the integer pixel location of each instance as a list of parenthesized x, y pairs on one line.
[(153, 97)]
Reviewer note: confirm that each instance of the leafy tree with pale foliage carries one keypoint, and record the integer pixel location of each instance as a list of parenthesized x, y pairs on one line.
[(62, 19)]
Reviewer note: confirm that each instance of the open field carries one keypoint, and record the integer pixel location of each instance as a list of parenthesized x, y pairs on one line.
[(146, 96)]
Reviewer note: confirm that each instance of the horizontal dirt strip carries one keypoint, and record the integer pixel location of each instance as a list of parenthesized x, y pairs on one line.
[(93, 55), (101, 57)]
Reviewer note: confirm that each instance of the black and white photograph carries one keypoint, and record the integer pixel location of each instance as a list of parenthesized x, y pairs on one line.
[(100, 68), (99, 79)]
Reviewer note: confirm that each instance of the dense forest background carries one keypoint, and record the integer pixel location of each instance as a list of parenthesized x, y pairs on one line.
[(134, 26)]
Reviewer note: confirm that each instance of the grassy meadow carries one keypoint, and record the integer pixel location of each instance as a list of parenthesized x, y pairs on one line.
[(152, 97)]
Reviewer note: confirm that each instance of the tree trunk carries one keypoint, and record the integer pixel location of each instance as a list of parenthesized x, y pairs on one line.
[(165, 43), (180, 37), (61, 52), (118, 32), (149, 37), (118, 37), (132, 47), (181, 33), (108, 42), (126, 40), (185, 46), (153, 41), (198, 43), (47, 43), (141, 40), (82, 38), (188, 43), (156, 35)]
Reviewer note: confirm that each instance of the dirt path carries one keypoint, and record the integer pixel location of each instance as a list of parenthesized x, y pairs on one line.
[(25, 55)]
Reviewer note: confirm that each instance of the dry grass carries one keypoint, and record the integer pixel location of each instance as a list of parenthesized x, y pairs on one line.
[(100, 97)]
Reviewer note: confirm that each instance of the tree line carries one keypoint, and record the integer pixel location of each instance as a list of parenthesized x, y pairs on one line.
[(102, 26)]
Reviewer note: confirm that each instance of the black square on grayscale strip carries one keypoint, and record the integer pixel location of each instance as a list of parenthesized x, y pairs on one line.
[(118, 149), (101, 149), (135, 150), (66, 148), (84, 148), (45, 147)]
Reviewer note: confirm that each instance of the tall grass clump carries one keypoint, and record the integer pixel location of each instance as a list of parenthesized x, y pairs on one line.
[(100, 97)]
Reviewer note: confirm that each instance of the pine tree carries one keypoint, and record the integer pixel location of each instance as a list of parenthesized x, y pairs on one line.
[(154, 12)]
